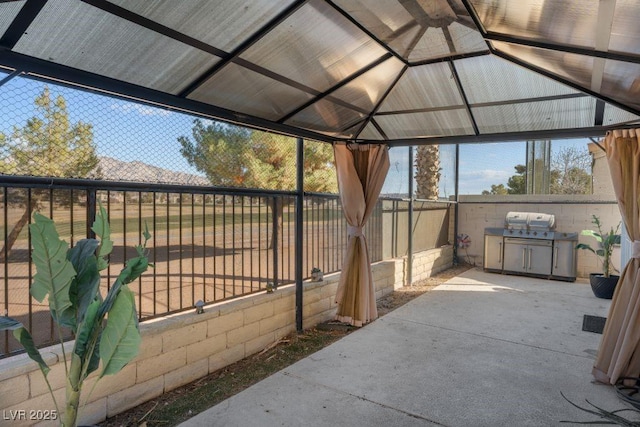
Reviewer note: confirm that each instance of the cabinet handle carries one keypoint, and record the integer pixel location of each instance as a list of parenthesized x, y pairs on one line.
[(500, 253), (524, 260), (530, 250), (555, 262)]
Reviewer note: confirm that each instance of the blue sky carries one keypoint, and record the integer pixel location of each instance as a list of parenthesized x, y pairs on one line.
[(122, 129), (481, 165), (129, 131)]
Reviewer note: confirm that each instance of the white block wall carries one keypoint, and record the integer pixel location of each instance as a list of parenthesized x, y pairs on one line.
[(183, 347)]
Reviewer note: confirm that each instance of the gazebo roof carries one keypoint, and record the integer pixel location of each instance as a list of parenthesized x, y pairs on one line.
[(397, 71)]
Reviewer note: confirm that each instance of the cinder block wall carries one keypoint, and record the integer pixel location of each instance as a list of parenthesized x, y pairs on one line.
[(573, 213), (183, 347), (428, 263)]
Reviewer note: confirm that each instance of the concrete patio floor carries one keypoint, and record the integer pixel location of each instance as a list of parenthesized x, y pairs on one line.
[(479, 350)]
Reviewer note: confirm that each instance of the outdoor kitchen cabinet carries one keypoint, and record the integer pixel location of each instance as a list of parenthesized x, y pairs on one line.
[(493, 252), (527, 256), (564, 257), (529, 245)]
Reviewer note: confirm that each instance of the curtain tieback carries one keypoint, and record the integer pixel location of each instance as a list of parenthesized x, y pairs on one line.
[(636, 249), (354, 231)]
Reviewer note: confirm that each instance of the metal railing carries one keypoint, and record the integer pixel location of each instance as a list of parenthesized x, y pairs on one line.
[(207, 243), (325, 229)]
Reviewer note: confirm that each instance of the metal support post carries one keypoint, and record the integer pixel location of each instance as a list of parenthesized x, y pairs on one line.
[(455, 209), (299, 230), (409, 280)]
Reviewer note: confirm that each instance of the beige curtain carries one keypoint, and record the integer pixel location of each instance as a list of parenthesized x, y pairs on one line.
[(361, 171), (618, 355)]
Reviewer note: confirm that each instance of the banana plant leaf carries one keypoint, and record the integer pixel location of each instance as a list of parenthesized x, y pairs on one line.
[(120, 339), (25, 338), (103, 231), (54, 271), (84, 287)]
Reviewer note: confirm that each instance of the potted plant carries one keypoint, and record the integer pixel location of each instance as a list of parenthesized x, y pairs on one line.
[(106, 330), (603, 284)]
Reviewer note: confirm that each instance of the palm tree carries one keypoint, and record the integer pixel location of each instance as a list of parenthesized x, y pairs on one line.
[(428, 172)]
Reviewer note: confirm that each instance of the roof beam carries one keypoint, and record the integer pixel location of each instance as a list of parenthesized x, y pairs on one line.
[(493, 36), (10, 77), (335, 87), (235, 54), (380, 130), (155, 26), (486, 104), (476, 19), (595, 131), (366, 31), (452, 66), (415, 9), (21, 22), (455, 57), (616, 56), (83, 80), (467, 21), (414, 42), (564, 81), (381, 100), (226, 57), (606, 9), (599, 114)]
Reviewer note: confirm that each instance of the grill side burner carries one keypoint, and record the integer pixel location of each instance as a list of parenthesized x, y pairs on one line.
[(529, 245)]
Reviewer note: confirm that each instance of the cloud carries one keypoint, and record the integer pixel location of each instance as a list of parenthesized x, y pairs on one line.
[(486, 174), (143, 110), (474, 181)]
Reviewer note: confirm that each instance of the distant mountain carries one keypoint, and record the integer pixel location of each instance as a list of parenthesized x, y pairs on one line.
[(117, 170)]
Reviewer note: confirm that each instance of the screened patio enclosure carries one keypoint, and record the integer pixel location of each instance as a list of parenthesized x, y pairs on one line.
[(394, 72), (403, 72)]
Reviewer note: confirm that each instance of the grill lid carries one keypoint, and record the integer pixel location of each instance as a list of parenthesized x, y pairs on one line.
[(541, 222), (516, 220), (529, 221)]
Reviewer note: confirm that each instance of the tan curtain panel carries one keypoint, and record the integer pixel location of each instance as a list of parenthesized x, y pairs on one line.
[(361, 171), (618, 355)]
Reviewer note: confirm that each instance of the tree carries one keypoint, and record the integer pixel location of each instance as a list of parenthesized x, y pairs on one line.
[(217, 150), (517, 184), (234, 156), (428, 172), (47, 145), (496, 189), (570, 174)]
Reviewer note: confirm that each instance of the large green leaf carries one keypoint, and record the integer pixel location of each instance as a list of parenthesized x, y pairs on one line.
[(54, 271), (120, 339), (84, 287), (103, 231), (133, 269), (611, 239), (87, 339), (593, 234), (585, 246), (24, 337)]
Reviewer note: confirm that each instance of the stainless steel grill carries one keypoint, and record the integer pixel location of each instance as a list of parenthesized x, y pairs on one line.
[(530, 245), (529, 225)]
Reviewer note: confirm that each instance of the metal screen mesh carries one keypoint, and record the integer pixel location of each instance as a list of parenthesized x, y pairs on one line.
[(56, 131)]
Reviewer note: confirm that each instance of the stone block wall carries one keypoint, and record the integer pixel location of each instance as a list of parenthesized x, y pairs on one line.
[(428, 263), (183, 347)]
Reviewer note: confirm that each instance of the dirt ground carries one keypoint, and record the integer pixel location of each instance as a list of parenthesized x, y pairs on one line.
[(180, 404)]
